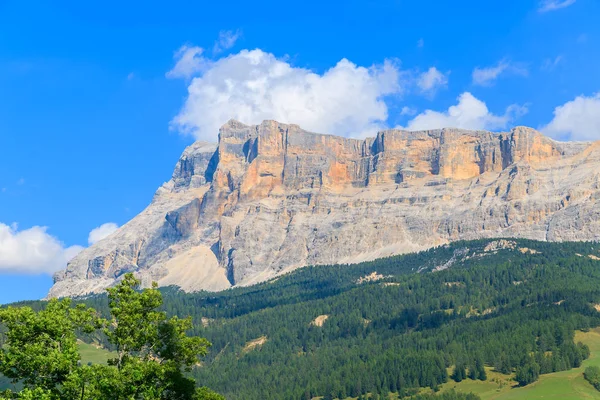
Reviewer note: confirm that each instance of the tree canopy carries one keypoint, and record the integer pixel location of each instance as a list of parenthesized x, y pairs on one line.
[(153, 352)]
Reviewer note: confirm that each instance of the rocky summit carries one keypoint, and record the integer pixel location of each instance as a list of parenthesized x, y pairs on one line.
[(270, 198)]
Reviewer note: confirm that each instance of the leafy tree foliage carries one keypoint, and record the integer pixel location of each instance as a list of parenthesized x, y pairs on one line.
[(41, 349), (592, 375), (153, 351)]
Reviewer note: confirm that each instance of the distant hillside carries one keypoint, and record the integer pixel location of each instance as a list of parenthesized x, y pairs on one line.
[(398, 324)]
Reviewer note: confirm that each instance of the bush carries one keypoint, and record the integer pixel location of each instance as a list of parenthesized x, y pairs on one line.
[(592, 375)]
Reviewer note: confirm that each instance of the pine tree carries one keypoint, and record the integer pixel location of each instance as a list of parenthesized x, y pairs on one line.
[(459, 373)]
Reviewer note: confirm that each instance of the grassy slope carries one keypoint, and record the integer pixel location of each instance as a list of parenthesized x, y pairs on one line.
[(563, 385), (93, 354)]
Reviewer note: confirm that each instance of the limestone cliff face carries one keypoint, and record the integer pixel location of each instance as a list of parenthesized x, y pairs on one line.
[(272, 197)]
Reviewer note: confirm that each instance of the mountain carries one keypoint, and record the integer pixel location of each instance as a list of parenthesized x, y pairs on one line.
[(271, 198)]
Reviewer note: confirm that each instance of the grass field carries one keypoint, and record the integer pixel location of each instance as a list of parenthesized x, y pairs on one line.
[(565, 385), (93, 354)]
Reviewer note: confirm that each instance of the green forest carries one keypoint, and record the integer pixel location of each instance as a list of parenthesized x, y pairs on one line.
[(394, 325)]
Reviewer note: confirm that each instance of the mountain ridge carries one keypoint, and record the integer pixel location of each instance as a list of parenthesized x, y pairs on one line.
[(272, 197)]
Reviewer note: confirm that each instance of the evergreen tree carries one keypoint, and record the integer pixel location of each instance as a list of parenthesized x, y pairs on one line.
[(528, 373), (480, 369), (459, 373)]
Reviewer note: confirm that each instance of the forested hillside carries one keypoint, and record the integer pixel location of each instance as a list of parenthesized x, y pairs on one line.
[(393, 325), (398, 324)]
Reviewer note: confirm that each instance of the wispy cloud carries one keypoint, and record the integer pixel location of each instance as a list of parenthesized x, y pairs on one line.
[(226, 40), (552, 5), (486, 76), (431, 80), (550, 63), (408, 111), (420, 43), (189, 61)]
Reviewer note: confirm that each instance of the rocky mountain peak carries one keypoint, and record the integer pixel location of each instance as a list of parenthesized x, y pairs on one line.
[(272, 197)]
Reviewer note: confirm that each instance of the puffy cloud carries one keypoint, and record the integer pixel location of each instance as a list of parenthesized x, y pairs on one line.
[(469, 113), (35, 251), (189, 61), (32, 251), (101, 232), (487, 76), (578, 119), (252, 86), (431, 80), (552, 5), (226, 40)]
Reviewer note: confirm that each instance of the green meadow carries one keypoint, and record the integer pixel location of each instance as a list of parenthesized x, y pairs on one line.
[(563, 385), (92, 353)]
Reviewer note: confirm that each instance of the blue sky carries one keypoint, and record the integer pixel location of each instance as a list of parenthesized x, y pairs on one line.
[(95, 110)]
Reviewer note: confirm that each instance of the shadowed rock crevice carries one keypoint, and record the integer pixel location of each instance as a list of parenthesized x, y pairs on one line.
[(211, 167)]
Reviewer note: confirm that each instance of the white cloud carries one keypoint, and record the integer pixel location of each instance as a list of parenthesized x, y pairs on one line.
[(101, 232), (551, 5), (431, 80), (32, 251), (189, 61), (21, 182), (130, 76), (252, 86), (226, 40), (487, 76), (578, 119), (420, 43), (469, 113)]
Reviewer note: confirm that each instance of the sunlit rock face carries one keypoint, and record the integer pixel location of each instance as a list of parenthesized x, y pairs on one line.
[(270, 198)]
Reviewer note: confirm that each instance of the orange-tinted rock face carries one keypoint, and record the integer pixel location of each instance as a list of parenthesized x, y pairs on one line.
[(273, 197), (530, 146), (258, 159)]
